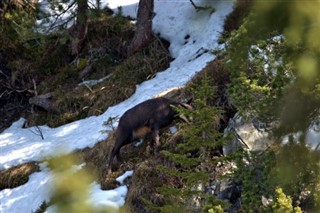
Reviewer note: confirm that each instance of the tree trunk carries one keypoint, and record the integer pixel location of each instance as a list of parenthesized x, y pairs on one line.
[(81, 27), (143, 32)]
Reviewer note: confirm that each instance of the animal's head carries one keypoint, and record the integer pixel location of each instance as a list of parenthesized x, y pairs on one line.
[(187, 105)]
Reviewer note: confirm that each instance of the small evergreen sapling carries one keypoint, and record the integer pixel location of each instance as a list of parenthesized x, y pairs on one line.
[(193, 157)]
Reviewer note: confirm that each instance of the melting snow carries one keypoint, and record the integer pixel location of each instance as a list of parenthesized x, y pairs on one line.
[(192, 35)]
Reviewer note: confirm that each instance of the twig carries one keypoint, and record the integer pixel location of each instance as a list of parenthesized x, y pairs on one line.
[(57, 16), (199, 8), (86, 85), (161, 44), (37, 131), (34, 87), (111, 121)]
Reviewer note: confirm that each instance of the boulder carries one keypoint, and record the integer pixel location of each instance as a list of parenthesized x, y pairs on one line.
[(251, 134)]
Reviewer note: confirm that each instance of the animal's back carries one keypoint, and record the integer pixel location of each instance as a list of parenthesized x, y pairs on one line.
[(153, 110)]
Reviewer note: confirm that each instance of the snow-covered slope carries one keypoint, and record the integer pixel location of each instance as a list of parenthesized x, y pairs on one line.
[(190, 33)]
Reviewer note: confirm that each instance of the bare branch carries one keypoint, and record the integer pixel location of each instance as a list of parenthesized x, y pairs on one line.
[(37, 131)]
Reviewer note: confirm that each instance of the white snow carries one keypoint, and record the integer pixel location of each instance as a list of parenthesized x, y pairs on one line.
[(192, 36), (124, 176), (55, 16), (313, 135)]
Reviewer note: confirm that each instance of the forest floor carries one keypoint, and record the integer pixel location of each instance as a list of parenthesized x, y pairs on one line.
[(75, 98)]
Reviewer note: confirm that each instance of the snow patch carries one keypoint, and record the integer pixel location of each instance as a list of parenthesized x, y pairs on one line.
[(173, 21)]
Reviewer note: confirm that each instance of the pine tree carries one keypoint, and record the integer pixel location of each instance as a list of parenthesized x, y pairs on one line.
[(194, 155)]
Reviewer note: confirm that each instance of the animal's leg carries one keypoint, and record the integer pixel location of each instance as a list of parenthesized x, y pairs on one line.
[(110, 161), (118, 157), (116, 152), (156, 139)]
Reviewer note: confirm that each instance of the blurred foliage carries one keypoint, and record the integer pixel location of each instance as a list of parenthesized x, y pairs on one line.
[(71, 187), (216, 209), (274, 60), (283, 203), (293, 62), (292, 167), (297, 172)]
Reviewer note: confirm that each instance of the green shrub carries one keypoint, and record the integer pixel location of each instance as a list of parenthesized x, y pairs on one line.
[(192, 157), (283, 203), (253, 174)]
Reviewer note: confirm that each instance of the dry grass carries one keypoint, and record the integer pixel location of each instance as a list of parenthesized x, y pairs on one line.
[(18, 175), (145, 181), (235, 18), (76, 102), (50, 67), (96, 159)]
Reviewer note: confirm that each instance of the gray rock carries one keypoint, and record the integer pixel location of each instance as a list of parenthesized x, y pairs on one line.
[(250, 134)]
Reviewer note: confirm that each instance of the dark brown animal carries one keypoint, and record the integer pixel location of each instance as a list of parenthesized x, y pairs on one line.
[(147, 117)]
